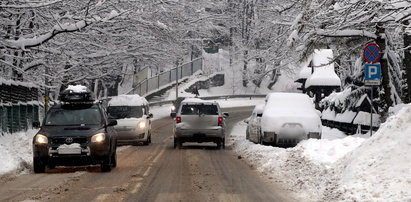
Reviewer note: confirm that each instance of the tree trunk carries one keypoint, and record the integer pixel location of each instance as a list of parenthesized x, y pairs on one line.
[(384, 66), (407, 63)]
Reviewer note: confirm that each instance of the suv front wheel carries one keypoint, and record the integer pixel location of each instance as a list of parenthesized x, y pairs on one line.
[(38, 165)]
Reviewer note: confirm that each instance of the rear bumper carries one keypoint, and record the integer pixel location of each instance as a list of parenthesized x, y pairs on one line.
[(199, 135), (283, 139)]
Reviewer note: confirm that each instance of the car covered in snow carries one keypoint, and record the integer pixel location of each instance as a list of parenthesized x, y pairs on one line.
[(289, 118), (254, 124), (133, 119), (199, 121), (74, 132)]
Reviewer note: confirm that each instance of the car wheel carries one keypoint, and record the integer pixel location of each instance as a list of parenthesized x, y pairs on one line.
[(38, 165), (51, 166), (220, 144), (177, 143), (106, 164), (148, 141), (223, 143), (114, 158)]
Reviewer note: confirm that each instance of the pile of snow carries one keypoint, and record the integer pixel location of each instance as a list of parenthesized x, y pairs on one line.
[(127, 100), (379, 170), (305, 169), (77, 88), (339, 168), (16, 152)]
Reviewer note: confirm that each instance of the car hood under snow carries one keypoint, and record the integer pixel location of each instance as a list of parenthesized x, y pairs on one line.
[(277, 120)]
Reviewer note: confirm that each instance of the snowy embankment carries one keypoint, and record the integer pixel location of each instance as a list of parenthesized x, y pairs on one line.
[(333, 169), (16, 152)]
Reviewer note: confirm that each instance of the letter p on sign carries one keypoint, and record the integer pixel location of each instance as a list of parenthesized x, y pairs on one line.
[(372, 74)]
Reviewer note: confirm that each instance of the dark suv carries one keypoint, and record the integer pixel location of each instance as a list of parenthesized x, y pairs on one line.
[(75, 132)]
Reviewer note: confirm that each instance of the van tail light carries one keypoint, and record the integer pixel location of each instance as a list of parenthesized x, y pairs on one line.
[(178, 119), (220, 121)]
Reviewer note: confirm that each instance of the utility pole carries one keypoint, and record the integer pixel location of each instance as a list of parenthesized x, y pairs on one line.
[(177, 78), (46, 90)]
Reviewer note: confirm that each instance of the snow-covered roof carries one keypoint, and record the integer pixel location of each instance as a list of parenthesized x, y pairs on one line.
[(305, 73), (324, 74), (77, 88), (364, 118), (127, 100), (346, 117), (17, 83)]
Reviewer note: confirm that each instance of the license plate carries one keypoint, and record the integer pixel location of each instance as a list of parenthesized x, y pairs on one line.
[(69, 150)]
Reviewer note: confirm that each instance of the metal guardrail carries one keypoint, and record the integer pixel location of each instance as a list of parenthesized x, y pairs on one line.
[(168, 77), (217, 97)]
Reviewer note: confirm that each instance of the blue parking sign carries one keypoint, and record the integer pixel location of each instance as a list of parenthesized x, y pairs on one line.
[(372, 74)]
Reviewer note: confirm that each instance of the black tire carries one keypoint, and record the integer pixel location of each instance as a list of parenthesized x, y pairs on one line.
[(177, 143), (51, 166), (220, 144), (114, 158), (148, 141), (38, 165), (106, 164), (223, 143)]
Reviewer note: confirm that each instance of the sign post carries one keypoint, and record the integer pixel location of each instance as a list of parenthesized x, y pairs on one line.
[(372, 71)]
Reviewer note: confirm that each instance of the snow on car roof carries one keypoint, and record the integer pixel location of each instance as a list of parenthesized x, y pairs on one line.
[(288, 100), (77, 88), (196, 100), (128, 100)]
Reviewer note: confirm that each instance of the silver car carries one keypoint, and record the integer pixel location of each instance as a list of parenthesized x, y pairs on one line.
[(253, 131), (199, 121)]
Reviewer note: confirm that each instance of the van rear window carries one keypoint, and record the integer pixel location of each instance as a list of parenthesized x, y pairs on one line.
[(122, 112), (191, 109)]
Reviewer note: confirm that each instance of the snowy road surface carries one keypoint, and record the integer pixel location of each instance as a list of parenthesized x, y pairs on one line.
[(153, 173)]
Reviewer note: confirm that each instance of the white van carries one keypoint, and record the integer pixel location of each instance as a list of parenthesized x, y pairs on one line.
[(133, 119)]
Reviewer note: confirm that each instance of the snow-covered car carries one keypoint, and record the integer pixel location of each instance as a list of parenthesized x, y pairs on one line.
[(253, 124), (289, 118), (75, 132), (199, 121), (133, 119)]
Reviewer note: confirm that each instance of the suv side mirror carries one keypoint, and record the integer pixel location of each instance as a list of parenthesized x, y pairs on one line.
[(36, 124), (225, 114), (173, 114), (112, 122), (150, 115)]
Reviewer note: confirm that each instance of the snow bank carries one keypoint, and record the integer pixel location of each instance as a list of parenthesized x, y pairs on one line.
[(16, 152), (379, 170), (339, 168), (306, 169)]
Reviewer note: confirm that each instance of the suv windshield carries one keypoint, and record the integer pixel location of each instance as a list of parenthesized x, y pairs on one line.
[(122, 112), (73, 117), (195, 109)]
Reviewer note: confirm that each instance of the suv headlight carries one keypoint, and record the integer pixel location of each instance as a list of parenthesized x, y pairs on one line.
[(98, 138), (142, 124), (41, 139)]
